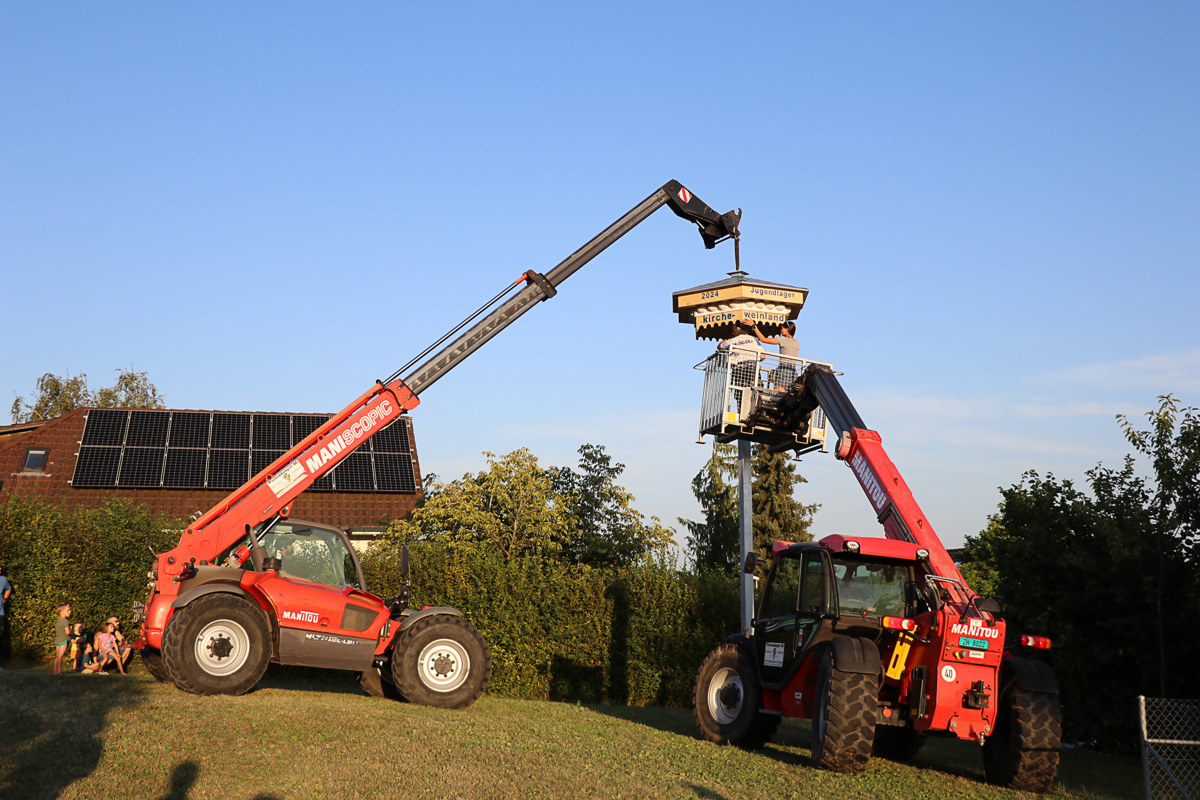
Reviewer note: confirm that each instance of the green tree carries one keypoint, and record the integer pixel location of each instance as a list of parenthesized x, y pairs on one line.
[(713, 542), (510, 508), (604, 527), (1108, 574), (778, 516), (57, 395)]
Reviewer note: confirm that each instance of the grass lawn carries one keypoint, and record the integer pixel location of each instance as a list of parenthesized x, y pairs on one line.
[(304, 734)]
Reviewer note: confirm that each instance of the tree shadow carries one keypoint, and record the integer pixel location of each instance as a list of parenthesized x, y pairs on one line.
[(183, 777), (51, 736)]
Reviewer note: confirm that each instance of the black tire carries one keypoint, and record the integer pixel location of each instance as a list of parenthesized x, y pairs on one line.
[(219, 644), (378, 683), (728, 700), (1022, 752), (441, 661), (843, 725), (152, 660), (897, 744)]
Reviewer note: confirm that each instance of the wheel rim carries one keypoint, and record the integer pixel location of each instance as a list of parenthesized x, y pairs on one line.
[(725, 696), (444, 665), (222, 648)]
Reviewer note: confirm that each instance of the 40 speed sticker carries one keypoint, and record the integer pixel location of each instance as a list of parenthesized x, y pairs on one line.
[(948, 673)]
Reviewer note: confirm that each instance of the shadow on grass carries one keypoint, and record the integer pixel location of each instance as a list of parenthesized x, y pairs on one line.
[(184, 777), (53, 726), (310, 679)]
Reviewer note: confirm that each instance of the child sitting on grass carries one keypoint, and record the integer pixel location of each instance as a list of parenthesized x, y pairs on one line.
[(106, 644)]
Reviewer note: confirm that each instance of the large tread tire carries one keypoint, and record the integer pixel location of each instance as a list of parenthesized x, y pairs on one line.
[(728, 700), (897, 744), (441, 661), (843, 727), (219, 644), (1022, 752), (152, 660)]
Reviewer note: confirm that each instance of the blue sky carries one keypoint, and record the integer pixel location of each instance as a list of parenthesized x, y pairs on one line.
[(266, 207)]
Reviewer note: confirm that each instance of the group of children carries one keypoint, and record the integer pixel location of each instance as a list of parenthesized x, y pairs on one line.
[(88, 656)]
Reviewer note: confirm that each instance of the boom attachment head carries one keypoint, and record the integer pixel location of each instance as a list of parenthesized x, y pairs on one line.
[(714, 228)]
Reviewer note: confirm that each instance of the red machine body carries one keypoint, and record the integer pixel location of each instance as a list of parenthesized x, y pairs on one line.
[(880, 641)]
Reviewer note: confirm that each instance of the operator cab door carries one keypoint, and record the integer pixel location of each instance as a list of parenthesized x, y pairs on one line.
[(792, 607), (325, 618)]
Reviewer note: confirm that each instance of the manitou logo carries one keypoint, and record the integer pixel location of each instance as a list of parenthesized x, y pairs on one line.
[(349, 437), (870, 483), (975, 628), (303, 616)]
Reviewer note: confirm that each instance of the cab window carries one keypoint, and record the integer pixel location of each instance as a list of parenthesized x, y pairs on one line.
[(870, 590), (312, 554)]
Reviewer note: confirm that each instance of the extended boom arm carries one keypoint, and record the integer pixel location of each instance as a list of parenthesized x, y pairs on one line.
[(270, 493), (862, 450), (714, 228)]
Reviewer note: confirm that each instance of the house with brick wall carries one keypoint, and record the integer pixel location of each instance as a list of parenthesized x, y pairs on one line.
[(182, 462)]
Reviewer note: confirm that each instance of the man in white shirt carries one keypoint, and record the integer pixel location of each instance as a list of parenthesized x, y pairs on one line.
[(744, 354)]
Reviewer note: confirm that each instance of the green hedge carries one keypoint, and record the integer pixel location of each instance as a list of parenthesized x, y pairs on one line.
[(557, 631), (94, 559), (571, 632)]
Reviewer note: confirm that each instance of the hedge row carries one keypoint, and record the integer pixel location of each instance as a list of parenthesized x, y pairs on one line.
[(557, 631), (570, 632), (96, 559)]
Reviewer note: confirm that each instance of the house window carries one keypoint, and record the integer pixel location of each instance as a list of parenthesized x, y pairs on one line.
[(35, 459)]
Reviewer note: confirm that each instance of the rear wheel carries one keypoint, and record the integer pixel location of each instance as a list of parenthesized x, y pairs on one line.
[(844, 718), (152, 660), (728, 700), (1022, 752), (219, 644), (441, 661)]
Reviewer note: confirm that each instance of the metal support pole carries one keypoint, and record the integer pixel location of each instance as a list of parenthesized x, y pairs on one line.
[(746, 528)]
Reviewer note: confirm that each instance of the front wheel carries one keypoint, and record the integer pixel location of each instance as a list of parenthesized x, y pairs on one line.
[(219, 644), (843, 727), (728, 700), (441, 661), (1022, 752)]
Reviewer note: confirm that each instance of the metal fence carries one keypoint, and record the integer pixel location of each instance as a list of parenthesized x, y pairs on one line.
[(1170, 747)]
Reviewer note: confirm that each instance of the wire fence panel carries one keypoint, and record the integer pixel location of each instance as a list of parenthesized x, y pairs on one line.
[(1170, 747)]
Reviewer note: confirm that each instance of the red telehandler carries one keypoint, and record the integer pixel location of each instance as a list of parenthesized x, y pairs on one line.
[(247, 585), (879, 641)]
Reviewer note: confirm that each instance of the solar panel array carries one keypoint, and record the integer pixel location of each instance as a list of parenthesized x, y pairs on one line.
[(148, 449)]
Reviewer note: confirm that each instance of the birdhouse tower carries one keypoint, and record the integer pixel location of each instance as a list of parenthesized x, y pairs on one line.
[(714, 307), (752, 392)]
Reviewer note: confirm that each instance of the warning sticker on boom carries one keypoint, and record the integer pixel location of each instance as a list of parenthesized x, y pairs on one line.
[(286, 478)]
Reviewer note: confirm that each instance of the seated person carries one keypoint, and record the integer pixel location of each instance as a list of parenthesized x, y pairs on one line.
[(88, 663), (124, 649), (78, 639), (107, 650)]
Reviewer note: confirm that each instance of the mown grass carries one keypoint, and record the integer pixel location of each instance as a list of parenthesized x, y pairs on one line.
[(306, 735)]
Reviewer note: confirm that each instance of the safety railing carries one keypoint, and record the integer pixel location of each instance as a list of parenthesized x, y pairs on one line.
[(1170, 747), (743, 390)]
